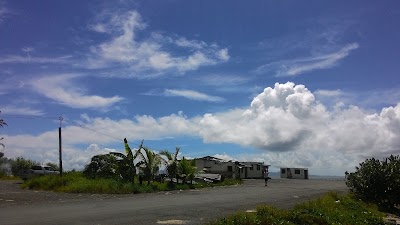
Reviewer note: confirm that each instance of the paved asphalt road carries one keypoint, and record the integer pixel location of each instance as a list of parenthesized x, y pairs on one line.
[(177, 207)]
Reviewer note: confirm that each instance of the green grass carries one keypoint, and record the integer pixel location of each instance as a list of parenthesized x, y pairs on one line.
[(76, 182), (5, 176), (329, 209)]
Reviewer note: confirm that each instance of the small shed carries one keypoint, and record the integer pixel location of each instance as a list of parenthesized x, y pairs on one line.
[(294, 173)]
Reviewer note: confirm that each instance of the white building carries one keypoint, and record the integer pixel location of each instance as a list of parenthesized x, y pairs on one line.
[(294, 173), (231, 169)]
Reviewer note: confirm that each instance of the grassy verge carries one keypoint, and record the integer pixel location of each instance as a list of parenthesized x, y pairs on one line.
[(6, 177), (75, 182), (329, 209)]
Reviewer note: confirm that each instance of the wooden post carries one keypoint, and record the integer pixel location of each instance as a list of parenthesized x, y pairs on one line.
[(60, 149), (60, 146)]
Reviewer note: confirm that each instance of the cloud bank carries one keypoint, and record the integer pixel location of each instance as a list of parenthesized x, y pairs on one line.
[(286, 123)]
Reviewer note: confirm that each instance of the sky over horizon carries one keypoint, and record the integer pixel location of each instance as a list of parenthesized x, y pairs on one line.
[(291, 84)]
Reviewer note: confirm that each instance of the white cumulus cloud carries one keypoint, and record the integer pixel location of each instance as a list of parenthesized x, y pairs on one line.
[(286, 123)]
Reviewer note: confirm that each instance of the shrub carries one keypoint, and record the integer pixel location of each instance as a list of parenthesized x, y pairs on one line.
[(102, 166), (377, 181), (20, 164), (239, 218)]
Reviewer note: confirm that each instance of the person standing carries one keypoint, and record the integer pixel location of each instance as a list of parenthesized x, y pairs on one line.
[(266, 177)]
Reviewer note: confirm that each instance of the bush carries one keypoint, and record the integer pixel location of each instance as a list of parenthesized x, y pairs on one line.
[(20, 164), (102, 166), (377, 181), (239, 218)]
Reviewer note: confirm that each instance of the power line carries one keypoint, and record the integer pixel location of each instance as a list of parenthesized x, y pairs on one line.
[(28, 116), (58, 118), (107, 135), (94, 130)]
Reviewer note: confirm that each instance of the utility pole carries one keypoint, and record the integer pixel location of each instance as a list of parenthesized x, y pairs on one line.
[(59, 145)]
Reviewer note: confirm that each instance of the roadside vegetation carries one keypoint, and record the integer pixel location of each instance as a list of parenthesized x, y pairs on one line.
[(374, 189), (136, 171), (77, 182), (329, 209), (11, 168), (377, 181)]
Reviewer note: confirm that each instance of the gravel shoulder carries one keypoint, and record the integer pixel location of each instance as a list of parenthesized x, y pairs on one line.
[(11, 194)]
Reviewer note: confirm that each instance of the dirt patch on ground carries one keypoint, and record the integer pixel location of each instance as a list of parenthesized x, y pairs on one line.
[(12, 194)]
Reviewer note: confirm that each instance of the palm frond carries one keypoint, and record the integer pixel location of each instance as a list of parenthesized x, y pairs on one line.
[(177, 149), (118, 154)]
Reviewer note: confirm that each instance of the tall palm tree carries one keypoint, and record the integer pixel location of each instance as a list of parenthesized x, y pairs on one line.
[(171, 163), (127, 167), (149, 162)]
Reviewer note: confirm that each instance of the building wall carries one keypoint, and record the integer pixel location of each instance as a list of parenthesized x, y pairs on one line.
[(294, 173), (232, 169), (251, 170), (224, 168), (254, 170)]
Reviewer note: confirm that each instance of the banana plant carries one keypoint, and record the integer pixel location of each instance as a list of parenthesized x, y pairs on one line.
[(149, 162), (187, 169), (171, 163), (127, 167)]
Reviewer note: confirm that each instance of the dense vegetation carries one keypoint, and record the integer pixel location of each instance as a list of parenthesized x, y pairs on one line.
[(116, 173), (76, 182), (329, 209), (377, 181), (142, 162), (9, 166)]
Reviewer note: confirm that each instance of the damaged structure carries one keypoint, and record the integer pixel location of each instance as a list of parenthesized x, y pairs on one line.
[(230, 169)]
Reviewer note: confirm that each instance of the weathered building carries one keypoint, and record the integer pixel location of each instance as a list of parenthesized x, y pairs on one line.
[(231, 169), (294, 173)]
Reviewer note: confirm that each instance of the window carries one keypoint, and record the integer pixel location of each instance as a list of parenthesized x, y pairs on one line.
[(296, 171), (283, 171), (258, 167), (251, 168), (229, 168)]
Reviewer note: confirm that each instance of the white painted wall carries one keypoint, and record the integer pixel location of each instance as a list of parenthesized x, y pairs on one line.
[(294, 173)]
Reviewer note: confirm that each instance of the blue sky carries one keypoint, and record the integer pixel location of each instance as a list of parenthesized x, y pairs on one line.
[(294, 84)]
